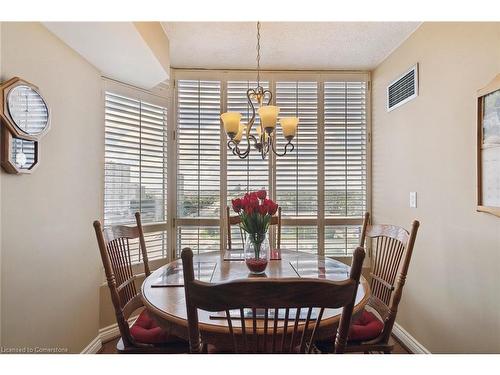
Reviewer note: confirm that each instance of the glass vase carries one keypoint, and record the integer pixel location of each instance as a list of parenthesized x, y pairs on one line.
[(256, 252)]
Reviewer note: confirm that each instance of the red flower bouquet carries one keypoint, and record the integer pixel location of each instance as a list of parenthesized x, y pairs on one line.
[(255, 212)]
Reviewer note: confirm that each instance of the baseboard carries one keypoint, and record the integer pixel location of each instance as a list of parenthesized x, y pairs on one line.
[(109, 333), (94, 346), (408, 340), (105, 334)]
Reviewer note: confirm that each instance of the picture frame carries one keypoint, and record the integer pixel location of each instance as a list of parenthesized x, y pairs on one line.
[(488, 148)]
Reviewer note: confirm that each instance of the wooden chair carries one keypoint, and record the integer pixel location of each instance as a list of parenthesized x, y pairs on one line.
[(391, 255), (267, 295), (115, 254), (235, 220)]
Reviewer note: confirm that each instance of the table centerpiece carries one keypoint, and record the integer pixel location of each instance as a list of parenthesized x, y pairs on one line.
[(255, 211)]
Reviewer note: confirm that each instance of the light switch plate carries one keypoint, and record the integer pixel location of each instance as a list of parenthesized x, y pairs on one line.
[(413, 199)]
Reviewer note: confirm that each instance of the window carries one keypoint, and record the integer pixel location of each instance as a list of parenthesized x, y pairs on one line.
[(297, 172), (135, 167), (300, 238), (345, 163), (345, 149), (321, 185), (198, 164)]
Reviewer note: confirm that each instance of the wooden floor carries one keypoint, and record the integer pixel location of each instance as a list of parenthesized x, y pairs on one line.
[(110, 348)]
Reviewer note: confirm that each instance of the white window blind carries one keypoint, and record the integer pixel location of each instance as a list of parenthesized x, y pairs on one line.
[(344, 161), (341, 239), (331, 110), (296, 172), (199, 238), (198, 162), (300, 238), (135, 167), (345, 149)]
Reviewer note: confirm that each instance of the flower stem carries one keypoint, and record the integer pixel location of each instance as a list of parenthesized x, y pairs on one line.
[(257, 239)]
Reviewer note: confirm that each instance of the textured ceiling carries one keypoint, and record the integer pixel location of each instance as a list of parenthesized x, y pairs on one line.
[(284, 45)]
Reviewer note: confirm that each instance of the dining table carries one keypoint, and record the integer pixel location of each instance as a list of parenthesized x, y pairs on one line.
[(164, 298)]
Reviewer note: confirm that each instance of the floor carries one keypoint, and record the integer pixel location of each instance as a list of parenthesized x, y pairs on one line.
[(110, 347)]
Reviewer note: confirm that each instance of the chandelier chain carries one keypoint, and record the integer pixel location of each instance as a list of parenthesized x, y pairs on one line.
[(264, 143), (258, 53)]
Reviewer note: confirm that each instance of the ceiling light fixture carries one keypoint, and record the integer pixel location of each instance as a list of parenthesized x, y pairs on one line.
[(265, 138)]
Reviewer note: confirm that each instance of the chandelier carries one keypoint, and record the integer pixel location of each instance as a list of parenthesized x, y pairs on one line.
[(264, 138)]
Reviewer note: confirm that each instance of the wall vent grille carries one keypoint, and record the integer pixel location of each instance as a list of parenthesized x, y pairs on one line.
[(403, 89)]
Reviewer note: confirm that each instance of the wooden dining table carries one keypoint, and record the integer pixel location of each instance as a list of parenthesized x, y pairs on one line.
[(167, 304)]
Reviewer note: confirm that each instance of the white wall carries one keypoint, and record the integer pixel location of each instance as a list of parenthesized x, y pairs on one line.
[(50, 267), (451, 299)]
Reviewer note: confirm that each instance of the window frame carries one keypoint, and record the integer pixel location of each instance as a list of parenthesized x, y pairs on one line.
[(271, 76), (159, 97)]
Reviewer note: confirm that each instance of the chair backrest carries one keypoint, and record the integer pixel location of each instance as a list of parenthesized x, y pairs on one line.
[(391, 254), (251, 308), (115, 254), (235, 220)]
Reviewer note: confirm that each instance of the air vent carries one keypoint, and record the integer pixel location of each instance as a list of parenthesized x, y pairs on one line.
[(403, 89)]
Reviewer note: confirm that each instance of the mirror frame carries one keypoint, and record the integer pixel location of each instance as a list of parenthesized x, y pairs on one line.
[(7, 162), (5, 89)]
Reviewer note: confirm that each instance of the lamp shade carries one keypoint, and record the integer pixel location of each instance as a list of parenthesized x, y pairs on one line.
[(231, 121), (239, 135), (289, 126), (268, 115)]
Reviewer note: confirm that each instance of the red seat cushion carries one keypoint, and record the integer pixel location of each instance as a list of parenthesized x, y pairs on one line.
[(367, 327), (146, 331)]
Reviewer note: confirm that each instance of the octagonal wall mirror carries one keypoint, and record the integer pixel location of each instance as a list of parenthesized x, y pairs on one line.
[(25, 118), (24, 110), (18, 155)]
